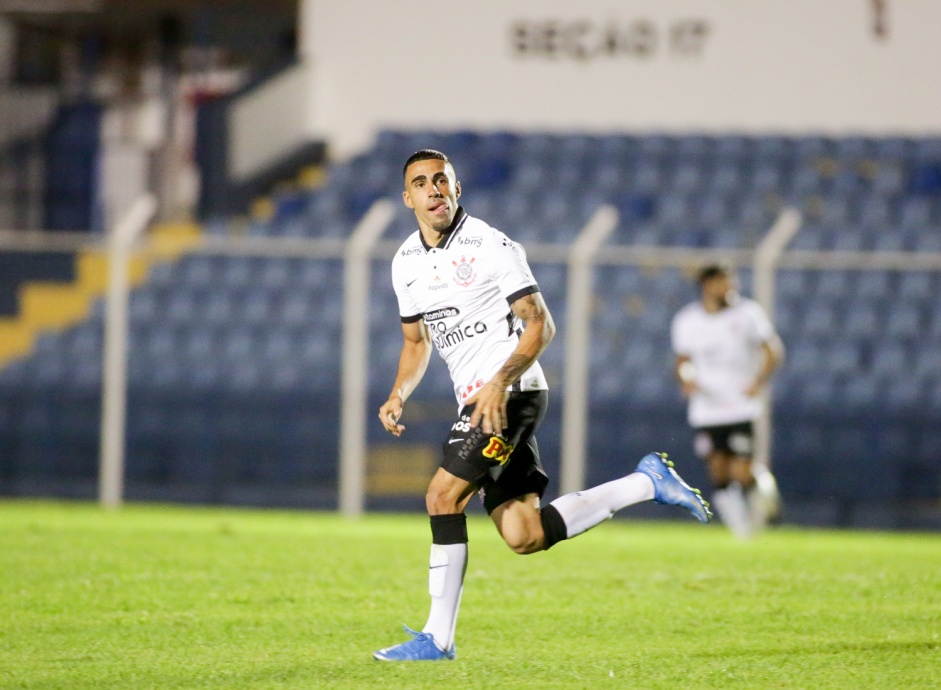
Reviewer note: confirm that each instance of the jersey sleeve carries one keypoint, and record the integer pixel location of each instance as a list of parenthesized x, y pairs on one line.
[(762, 328), (408, 310), (678, 335), (511, 270)]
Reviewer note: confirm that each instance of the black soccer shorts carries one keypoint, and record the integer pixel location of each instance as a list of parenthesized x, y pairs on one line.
[(735, 439), (503, 466)]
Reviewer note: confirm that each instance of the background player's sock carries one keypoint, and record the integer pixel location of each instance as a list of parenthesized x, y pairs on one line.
[(582, 510), (733, 510)]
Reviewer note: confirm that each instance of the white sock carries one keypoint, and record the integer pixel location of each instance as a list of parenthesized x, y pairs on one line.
[(733, 510), (583, 510), (446, 569)]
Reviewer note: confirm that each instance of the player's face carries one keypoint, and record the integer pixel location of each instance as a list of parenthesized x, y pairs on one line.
[(432, 191), (719, 290)]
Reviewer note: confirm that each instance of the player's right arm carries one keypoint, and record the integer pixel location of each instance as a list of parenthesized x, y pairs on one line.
[(683, 367), (686, 373), (413, 360)]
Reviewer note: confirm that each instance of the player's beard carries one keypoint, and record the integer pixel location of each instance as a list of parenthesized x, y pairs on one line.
[(728, 299)]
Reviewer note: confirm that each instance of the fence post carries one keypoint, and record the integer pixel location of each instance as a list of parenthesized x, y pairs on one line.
[(767, 255), (355, 357), (114, 365), (577, 339)]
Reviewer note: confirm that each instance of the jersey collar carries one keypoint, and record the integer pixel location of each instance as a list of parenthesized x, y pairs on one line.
[(448, 236)]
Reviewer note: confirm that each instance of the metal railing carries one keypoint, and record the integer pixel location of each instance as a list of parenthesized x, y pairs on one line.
[(366, 244)]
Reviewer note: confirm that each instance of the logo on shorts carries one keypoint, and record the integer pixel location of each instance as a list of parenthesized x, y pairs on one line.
[(464, 272), (498, 449)]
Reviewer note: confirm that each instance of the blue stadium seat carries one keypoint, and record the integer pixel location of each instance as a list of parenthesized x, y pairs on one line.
[(873, 284), (805, 357), (806, 180), (182, 307), (890, 360), (915, 212), (904, 320), (819, 391), (889, 180), (199, 344), (773, 147), (842, 358), (860, 392), (928, 240), (792, 283), (927, 359), (848, 239), (686, 177), (904, 394), (786, 319), (916, 285), (854, 149), (735, 147), (766, 177), (812, 147), (893, 148), (727, 177), (727, 237), (237, 272), (757, 213), (836, 211), (257, 309), (197, 272), (887, 242), (836, 284), (861, 319), (927, 149), (647, 177)]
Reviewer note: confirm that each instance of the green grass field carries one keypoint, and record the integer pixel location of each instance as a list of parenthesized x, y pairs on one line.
[(166, 597)]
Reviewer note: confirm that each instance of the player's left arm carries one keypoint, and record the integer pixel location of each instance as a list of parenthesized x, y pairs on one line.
[(538, 330), (772, 351)]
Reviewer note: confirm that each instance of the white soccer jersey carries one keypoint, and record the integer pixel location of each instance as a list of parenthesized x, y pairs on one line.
[(725, 349), (463, 289)]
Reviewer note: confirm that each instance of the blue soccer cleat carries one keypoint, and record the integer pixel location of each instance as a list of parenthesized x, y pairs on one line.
[(421, 647), (669, 487)]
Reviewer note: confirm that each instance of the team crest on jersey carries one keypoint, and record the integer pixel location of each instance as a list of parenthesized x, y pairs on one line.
[(464, 271)]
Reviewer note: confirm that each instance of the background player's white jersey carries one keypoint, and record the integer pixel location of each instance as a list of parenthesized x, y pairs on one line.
[(725, 349), (463, 290)]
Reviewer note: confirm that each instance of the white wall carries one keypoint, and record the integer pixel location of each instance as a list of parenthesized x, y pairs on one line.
[(706, 65), (269, 123)]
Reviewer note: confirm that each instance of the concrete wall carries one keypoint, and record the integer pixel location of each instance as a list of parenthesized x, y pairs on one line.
[(792, 66)]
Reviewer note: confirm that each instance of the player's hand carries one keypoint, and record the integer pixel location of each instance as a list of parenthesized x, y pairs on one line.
[(389, 415), (490, 410)]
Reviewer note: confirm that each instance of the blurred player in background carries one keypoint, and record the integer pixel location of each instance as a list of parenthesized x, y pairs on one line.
[(467, 288), (726, 351)]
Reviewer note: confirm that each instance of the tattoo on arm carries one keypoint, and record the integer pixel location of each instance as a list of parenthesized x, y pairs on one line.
[(512, 370), (527, 309)]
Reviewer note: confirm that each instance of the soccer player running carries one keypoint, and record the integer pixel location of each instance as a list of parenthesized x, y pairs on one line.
[(726, 351), (467, 288)]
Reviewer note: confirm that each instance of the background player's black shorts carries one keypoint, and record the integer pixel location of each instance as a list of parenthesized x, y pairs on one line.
[(502, 467), (737, 439)]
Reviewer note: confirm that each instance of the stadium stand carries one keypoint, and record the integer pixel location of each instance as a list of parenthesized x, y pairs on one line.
[(238, 356)]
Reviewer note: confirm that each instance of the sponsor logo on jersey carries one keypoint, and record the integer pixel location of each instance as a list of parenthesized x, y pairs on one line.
[(409, 252), (442, 313), (479, 383), (464, 271), (472, 241), (498, 449), (443, 338)]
